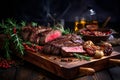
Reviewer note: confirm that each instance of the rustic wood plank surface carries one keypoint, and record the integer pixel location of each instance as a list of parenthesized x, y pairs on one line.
[(115, 73), (29, 71)]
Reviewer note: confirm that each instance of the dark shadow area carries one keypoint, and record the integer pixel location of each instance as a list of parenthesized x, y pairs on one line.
[(48, 11)]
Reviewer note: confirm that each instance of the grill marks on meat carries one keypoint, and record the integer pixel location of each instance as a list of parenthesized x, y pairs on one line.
[(32, 31), (65, 45), (34, 37), (40, 35)]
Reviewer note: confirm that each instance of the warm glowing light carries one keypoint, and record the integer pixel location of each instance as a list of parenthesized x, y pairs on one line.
[(83, 22), (76, 26)]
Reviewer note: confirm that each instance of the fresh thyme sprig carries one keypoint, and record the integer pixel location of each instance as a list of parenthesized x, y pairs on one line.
[(82, 57)]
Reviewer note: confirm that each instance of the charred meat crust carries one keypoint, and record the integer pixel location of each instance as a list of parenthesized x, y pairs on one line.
[(56, 47)]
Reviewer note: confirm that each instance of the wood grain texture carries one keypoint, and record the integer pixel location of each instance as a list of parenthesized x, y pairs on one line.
[(67, 70)]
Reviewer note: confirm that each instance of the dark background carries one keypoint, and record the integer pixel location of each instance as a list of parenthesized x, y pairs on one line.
[(43, 11)]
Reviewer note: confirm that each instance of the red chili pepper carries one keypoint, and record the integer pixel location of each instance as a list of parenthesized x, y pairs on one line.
[(14, 30)]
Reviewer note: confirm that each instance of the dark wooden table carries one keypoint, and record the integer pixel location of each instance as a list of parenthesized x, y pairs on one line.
[(28, 71)]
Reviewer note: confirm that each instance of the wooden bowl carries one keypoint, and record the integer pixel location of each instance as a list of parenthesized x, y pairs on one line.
[(97, 35)]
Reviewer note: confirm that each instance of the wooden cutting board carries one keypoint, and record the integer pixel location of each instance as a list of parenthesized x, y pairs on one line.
[(68, 70)]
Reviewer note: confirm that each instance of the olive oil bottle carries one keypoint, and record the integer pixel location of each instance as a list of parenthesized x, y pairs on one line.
[(79, 24), (76, 24), (83, 23)]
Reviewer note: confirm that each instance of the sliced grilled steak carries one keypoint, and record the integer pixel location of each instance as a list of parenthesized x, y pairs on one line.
[(64, 46), (34, 37), (40, 34), (68, 51), (49, 35)]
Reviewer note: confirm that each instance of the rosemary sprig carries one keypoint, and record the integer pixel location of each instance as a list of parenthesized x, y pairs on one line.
[(12, 31), (34, 24), (11, 22), (23, 23), (81, 57), (66, 31), (18, 43)]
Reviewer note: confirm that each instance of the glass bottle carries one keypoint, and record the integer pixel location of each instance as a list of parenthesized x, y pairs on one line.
[(82, 22), (76, 24)]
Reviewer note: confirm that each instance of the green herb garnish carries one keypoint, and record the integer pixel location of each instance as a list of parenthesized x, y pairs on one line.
[(12, 33), (23, 23), (81, 57), (34, 24), (62, 29)]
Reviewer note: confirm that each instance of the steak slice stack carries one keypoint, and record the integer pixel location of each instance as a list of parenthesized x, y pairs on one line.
[(65, 45), (39, 35)]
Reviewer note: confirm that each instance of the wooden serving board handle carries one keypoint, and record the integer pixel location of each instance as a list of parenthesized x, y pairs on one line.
[(87, 71), (115, 61)]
